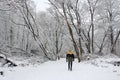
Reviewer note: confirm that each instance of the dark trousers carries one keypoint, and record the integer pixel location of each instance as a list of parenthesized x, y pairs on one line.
[(70, 65)]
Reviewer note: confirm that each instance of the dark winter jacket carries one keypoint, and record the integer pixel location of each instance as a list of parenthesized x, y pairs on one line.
[(70, 57)]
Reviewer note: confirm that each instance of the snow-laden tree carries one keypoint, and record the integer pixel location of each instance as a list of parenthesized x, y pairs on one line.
[(87, 26), (52, 30), (108, 21), (92, 24)]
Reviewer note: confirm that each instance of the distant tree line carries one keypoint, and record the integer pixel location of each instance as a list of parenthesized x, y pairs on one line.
[(86, 27)]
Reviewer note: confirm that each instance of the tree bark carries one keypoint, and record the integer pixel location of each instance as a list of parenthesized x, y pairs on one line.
[(71, 34)]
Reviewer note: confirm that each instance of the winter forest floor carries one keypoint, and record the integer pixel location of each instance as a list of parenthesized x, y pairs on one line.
[(97, 69)]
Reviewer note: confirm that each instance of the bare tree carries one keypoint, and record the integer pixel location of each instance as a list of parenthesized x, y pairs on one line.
[(30, 22), (111, 14), (92, 8), (70, 14)]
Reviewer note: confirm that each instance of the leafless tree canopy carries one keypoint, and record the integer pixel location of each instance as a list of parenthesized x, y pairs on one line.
[(85, 27)]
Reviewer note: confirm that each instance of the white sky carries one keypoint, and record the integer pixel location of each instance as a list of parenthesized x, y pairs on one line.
[(41, 5)]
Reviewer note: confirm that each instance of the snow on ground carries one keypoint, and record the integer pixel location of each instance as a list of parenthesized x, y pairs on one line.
[(97, 69)]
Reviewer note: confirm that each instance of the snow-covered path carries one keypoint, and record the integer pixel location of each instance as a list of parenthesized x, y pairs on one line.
[(57, 70)]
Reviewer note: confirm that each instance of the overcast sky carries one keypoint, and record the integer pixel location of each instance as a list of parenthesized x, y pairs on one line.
[(41, 5)]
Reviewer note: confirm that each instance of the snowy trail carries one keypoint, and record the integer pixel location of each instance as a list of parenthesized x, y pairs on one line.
[(57, 70)]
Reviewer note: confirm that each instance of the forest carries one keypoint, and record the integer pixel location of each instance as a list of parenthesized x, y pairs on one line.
[(87, 27)]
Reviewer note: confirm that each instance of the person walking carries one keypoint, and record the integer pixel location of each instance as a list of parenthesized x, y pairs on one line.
[(70, 59)]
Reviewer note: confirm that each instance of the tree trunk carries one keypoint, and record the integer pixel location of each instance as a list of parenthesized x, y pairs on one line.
[(71, 34)]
